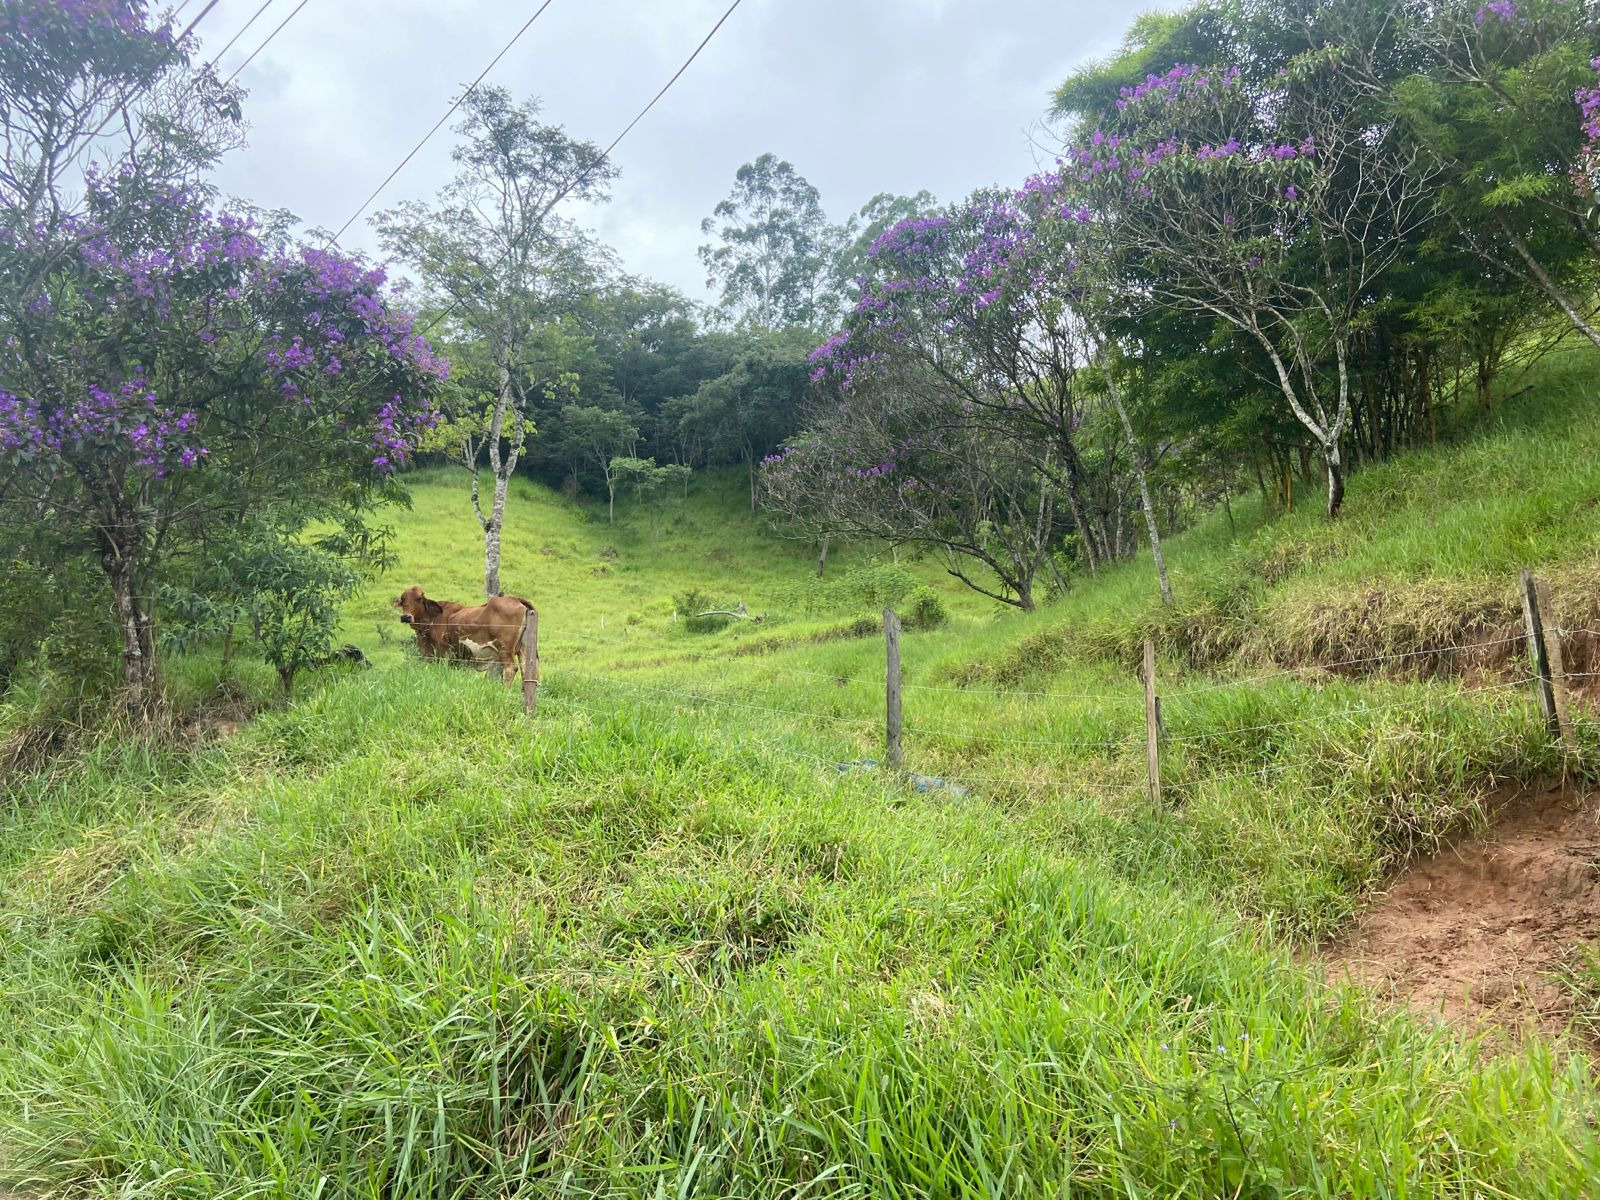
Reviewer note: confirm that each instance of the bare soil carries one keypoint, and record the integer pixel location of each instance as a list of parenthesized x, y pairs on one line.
[(1480, 933)]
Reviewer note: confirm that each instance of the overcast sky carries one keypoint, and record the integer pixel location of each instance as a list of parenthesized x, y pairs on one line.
[(863, 96)]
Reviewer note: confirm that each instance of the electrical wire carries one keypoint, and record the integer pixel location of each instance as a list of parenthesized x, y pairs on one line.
[(604, 154), (449, 112), (245, 28), (267, 41)]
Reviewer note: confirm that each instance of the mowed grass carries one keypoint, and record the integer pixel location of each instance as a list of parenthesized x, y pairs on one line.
[(674, 935)]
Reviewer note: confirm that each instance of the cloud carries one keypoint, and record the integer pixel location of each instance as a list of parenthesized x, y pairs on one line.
[(863, 96)]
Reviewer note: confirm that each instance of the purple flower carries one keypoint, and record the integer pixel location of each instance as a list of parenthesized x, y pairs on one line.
[(1503, 11)]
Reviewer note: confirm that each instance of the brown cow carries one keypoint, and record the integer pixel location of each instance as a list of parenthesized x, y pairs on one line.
[(445, 629)]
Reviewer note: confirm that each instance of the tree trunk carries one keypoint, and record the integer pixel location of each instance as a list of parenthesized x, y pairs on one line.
[(1335, 467), (491, 536), (822, 558), (1136, 453), (508, 405), (1553, 290), (1076, 506), (141, 678), (1055, 572)]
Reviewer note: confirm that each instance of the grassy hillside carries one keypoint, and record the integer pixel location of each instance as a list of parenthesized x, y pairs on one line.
[(591, 577), (402, 940)]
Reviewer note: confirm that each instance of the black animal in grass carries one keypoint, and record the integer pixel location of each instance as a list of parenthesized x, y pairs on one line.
[(345, 656)]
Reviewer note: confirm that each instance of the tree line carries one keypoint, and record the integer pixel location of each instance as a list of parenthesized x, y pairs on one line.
[(1282, 238), (593, 380)]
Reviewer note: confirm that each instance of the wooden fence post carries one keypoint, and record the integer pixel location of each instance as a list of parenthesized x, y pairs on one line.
[(891, 642), (530, 660), (1152, 724), (1548, 662), (1543, 677)]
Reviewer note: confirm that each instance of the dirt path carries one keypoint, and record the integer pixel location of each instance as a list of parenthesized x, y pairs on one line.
[(1475, 933)]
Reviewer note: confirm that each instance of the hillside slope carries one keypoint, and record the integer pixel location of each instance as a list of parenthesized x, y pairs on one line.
[(402, 940), (673, 934)]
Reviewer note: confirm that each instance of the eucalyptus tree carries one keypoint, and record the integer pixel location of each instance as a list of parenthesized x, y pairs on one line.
[(876, 217), (773, 250)]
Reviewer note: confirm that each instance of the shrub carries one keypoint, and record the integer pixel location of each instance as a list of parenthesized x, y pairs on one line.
[(691, 604), (883, 585), (924, 609)]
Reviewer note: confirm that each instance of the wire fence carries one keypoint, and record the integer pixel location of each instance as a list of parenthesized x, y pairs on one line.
[(1058, 753), (1015, 726)]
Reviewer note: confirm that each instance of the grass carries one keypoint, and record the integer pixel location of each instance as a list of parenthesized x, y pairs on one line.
[(591, 578), (445, 962), (670, 936)]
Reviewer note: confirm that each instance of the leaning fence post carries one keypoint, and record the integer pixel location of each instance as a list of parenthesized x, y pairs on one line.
[(1543, 678), (530, 660), (1555, 669), (1152, 724), (891, 642)]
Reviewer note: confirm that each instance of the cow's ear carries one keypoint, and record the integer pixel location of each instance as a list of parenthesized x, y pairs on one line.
[(432, 608)]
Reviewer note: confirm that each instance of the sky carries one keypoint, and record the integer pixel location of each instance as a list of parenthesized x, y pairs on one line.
[(862, 96)]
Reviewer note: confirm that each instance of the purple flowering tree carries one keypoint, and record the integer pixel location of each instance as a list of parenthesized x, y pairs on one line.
[(903, 462), (1589, 121), (1077, 258), (977, 299), (168, 372), (1273, 206)]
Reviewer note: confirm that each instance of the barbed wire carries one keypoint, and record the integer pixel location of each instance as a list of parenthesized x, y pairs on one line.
[(1353, 710), (781, 747), (1178, 689), (703, 698), (1223, 685)]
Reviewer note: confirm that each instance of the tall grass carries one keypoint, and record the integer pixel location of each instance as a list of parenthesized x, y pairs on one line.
[(672, 936), (400, 941)]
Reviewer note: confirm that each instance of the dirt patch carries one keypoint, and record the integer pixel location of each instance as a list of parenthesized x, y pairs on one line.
[(1478, 933)]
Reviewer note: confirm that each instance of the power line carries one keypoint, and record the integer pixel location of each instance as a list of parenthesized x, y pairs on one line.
[(217, 57), (504, 50), (268, 40), (187, 30), (604, 154), (665, 87), (200, 16)]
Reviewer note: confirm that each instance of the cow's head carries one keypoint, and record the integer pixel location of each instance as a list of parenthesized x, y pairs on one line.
[(415, 608)]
